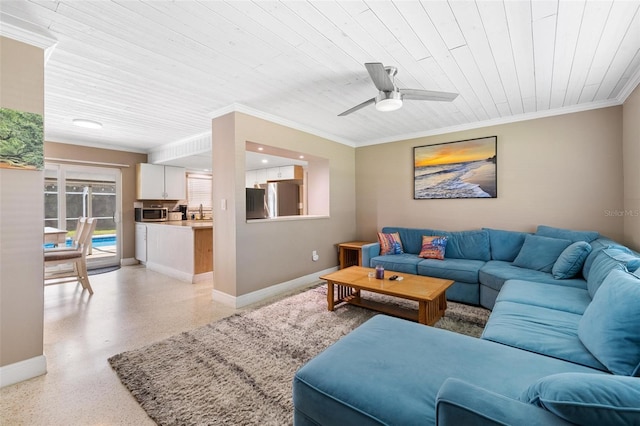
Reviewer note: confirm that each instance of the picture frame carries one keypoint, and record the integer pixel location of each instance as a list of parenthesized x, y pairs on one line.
[(21, 140), (460, 169)]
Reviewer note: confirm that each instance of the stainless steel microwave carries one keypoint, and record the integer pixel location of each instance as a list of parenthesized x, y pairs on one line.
[(151, 214)]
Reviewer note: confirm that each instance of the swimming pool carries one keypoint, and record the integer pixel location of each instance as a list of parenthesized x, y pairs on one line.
[(105, 240)]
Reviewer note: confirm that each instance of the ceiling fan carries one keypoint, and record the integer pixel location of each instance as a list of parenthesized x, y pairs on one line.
[(390, 97)]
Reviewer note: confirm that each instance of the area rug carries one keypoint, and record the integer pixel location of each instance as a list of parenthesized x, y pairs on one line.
[(239, 370)]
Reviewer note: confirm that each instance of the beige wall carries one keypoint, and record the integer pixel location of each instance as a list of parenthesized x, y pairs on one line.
[(631, 155), (561, 171), (21, 221), (273, 252), (83, 153)]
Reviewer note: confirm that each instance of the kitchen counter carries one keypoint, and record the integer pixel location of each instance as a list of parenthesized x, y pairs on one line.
[(185, 223), (182, 249)]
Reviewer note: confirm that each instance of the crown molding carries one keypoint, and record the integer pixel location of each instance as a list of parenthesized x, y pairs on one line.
[(81, 142), (26, 32), (628, 88), (496, 122), (236, 107)]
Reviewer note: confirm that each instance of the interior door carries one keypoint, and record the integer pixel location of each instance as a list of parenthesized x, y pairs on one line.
[(73, 191)]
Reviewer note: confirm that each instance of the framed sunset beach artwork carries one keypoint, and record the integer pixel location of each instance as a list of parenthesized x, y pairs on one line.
[(462, 169)]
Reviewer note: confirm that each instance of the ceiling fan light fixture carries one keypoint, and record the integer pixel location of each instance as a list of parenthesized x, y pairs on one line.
[(388, 101), (88, 124)]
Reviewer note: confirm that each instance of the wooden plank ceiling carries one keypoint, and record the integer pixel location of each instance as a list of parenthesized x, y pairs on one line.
[(153, 72)]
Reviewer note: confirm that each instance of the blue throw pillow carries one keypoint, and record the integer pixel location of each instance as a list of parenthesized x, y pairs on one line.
[(540, 253), (604, 262), (610, 326), (571, 260), (588, 399), (566, 234)]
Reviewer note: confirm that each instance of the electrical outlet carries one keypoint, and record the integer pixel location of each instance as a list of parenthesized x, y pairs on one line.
[(314, 256)]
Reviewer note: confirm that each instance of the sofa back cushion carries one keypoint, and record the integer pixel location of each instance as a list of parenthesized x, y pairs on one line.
[(588, 399), (540, 253), (570, 261), (566, 234), (505, 245), (473, 244), (610, 326), (604, 262)]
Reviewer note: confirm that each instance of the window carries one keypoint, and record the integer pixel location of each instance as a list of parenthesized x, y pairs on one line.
[(199, 188)]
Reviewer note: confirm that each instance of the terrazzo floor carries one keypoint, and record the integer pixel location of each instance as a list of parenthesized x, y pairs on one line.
[(130, 308)]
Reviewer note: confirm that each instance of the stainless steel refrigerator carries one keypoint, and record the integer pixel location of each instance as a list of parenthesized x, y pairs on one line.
[(283, 199)]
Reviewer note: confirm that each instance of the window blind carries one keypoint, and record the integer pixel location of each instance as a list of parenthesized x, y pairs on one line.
[(199, 191)]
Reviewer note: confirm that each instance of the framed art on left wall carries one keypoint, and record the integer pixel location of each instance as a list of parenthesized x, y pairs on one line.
[(461, 169), (21, 140)]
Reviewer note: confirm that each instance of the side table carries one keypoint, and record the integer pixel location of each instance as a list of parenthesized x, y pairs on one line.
[(350, 253)]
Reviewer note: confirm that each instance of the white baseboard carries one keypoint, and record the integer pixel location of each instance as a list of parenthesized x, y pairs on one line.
[(128, 261), (23, 370), (174, 273), (206, 276), (265, 293)]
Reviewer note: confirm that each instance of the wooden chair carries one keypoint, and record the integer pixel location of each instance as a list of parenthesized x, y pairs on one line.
[(77, 257), (75, 241)]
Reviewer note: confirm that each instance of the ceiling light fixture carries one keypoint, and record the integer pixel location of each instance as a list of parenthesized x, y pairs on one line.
[(388, 101), (88, 124)]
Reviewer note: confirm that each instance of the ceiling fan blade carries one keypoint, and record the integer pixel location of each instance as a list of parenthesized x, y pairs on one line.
[(427, 95), (357, 107), (380, 76)]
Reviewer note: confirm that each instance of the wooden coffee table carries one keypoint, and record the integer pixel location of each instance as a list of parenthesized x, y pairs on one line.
[(429, 292)]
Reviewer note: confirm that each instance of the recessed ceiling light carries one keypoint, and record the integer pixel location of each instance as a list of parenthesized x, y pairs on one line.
[(88, 124), (260, 149), (301, 157)]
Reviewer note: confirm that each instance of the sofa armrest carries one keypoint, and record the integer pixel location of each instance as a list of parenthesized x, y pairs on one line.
[(369, 251), (461, 403)]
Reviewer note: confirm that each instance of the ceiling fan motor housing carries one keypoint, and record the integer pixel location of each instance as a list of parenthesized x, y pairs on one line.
[(388, 101)]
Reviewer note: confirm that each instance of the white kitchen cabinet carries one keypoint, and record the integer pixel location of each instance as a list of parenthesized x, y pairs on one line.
[(261, 176), (250, 179), (289, 172), (255, 177), (158, 182), (141, 242)]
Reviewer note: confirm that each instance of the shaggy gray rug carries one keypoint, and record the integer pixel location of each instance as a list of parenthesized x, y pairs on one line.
[(238, 371)]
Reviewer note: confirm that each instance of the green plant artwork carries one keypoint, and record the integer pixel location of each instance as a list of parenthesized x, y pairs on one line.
[(21, 140)]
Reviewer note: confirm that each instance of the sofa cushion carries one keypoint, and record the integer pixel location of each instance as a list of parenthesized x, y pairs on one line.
[(566, 234), (596, 247), (588, 399), (610, 326), (433, 247), (558, 297), (461, 270), (541, 330), (606, 260), (473, 244), (505, 245), (495, 272), (363, 378), (540, 253), (390, 243), (406, 262), (570, 261)]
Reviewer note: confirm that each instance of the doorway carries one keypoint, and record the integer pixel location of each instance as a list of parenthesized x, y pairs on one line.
[(72, 191)]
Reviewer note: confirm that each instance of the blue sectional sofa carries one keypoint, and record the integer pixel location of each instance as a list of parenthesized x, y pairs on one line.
[(481, 261), (560, 347)]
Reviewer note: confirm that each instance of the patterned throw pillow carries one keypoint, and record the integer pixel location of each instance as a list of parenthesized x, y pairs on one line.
[(433, 247), (390, 244)]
